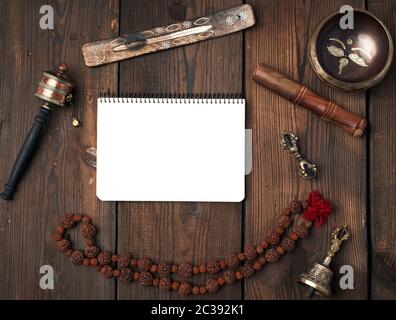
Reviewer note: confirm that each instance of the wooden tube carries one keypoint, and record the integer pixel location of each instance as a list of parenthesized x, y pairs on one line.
[(298, 94)]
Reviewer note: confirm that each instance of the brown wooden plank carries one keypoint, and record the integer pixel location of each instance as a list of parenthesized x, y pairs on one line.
[(59, 180), (280, 40), (382, 101), (180, 232)]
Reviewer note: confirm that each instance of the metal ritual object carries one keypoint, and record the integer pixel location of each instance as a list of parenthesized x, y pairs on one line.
[(171, 36), (307, 170), (55, 90), (351, 59), (319, 278)]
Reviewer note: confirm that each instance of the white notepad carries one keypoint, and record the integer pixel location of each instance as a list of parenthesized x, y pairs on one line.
[(157, 149)]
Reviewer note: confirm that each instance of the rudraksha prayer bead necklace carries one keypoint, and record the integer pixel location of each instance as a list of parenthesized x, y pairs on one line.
[(234, 267)]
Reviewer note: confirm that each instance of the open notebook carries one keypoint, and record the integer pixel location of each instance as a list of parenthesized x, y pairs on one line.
[(168, 149)]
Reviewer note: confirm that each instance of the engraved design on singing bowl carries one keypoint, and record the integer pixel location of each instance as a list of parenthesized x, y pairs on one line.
[(351, 59)]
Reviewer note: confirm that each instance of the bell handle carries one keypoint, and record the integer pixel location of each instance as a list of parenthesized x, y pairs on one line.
[(26, 153)]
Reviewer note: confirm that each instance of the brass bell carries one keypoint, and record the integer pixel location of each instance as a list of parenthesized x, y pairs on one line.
[(319, 278)]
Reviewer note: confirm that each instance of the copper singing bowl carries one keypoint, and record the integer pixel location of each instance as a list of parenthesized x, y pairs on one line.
[(351, 59)]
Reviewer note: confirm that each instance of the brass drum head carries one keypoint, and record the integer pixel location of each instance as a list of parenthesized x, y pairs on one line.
[(55, 87)]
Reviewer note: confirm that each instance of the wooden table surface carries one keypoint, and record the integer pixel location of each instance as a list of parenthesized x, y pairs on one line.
[(359, 175)]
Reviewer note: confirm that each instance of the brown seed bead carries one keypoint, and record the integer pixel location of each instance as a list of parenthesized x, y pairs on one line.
[(77, 217), (87, 262), (295, 206), (134, 262), (175, 285), (229, 277), (279, 230), (220, 281), (59, 230), (77, 257), (154, 268), (156, 282), (94, 262), (272, 237), (57, 237), (107, 272), (257, 266), (239, 275), (174, 268), (305, 204), (302, 231), (241, 257), (144, 264), (202, 290), (91, 252), (284, 221), (264, 244), (287, 211), (232, 261), (195, 291), (116, 273), (67, 221), (123, 260), (185, 289), (165, 284), (196, 270), (212, 286), (136, 276), (293, 236), (259, 249), (86, 220), (63, 245), (114, 258), (69, 252), (146, 279), (88, 231), (271, 255), (262, 260), (288, 244), (202, 268), (223, 264), (97, 268), (250, 252), (104, 258), (280, 250), (185, 270), (247, 270), (126, 275), (213, 267), (164, 269)]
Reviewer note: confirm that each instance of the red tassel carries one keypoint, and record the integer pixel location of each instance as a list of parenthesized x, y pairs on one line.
[(318, 209)]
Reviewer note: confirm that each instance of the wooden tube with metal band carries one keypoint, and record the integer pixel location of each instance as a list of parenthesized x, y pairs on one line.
[(54, 89), (298, 94)]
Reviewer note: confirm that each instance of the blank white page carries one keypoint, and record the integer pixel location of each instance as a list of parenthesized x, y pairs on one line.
[(170, 149)]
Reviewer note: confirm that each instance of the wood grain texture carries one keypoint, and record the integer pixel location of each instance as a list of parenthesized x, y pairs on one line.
[(58, 180), (180, 232), (382, 112), (280, 40)]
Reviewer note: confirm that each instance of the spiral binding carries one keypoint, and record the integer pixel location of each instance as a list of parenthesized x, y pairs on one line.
[(107, 97)]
